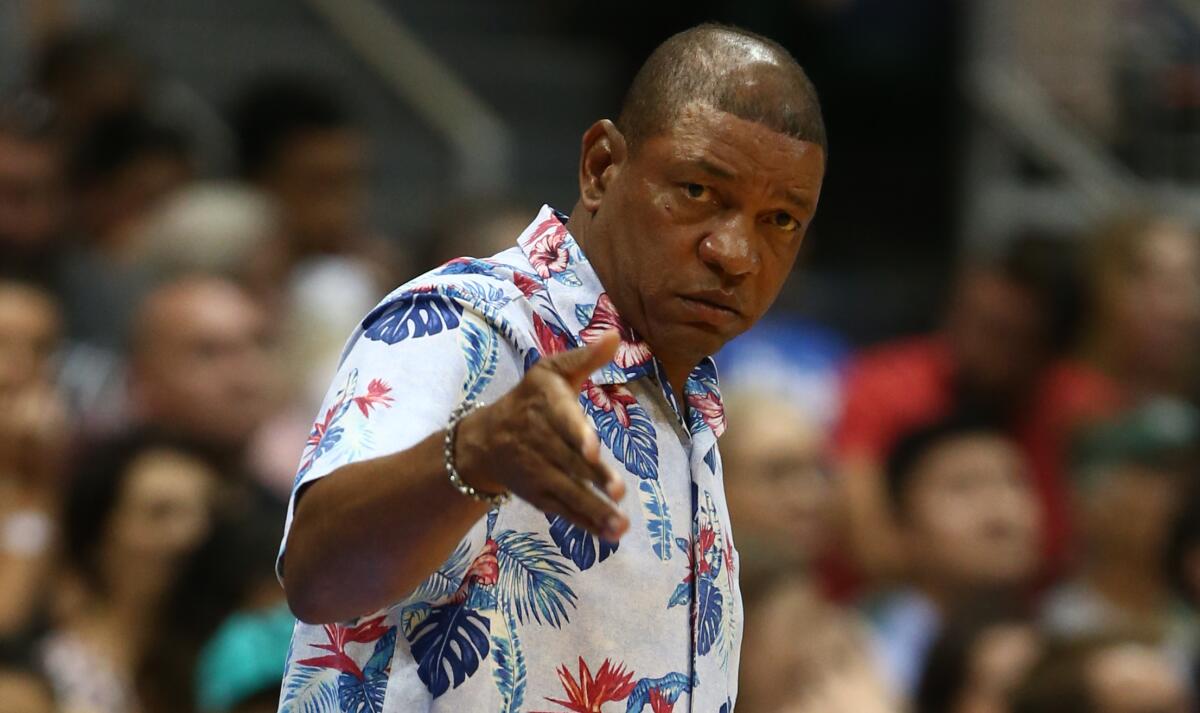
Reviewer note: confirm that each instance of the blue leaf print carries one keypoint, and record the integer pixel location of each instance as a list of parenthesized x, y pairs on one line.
[(681, 596), (634, 446), (365, 695), (709, 603), (481, 351), (577, 544), (671, 686), (727, 706), (710, 459), (448, 646), (658, 519), (310, 689), (445, 580), (531, 357), (683, 545), (487, 299), (509, 672), (530, 578), (467, 266), (417, 315), (567, 277), (583, 313)]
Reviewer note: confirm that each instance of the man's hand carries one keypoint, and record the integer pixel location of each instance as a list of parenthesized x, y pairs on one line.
[(537, 443)]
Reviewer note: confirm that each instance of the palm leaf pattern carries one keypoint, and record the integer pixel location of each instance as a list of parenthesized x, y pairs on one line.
[(531, 578), (310, 689), (508, 661), (481, 350)]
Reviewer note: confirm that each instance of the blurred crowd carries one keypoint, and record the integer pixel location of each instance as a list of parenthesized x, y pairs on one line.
[(1000, 516)]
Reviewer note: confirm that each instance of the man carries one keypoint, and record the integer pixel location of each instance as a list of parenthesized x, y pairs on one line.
[(692, 208), (32, 200), (968, 522)]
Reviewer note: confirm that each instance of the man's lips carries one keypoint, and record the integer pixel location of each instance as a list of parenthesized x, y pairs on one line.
[(714, 307)]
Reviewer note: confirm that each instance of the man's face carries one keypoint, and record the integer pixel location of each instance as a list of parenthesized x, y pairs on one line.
[(997, 335), (971, 519), (319, 179), (30, 327), (699, 227), (32, 208), (204, 370), (1127, 511)]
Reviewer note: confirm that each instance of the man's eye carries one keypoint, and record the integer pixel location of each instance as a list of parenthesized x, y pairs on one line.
[(785, 221), (696, 191)]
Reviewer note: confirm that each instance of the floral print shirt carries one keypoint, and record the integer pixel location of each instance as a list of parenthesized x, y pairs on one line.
[(531, 613)]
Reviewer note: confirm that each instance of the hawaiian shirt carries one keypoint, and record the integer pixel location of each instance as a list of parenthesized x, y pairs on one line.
[(532, 613)]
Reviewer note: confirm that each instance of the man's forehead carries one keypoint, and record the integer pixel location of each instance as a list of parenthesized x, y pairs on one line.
[(700, 121)]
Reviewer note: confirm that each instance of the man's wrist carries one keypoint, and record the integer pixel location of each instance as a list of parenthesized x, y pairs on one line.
[(471, 456)]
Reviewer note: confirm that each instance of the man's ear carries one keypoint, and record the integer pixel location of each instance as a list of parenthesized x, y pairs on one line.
[(600, 161)]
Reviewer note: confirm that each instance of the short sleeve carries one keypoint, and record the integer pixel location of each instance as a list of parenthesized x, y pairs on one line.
[(409, 364)]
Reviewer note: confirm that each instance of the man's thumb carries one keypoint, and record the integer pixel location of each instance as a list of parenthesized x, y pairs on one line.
[(577, 365)]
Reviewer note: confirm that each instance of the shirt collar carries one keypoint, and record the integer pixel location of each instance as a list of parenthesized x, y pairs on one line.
[(571, 308)]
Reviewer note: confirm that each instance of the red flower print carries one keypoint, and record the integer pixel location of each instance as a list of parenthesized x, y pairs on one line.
[(659, 703), (377, 393), (611, 398), (729, 557), (587, 695), (710, 408), (485, 569), (546, 247), (339, 636), (526, 284), (549, 341), (704, 543), (632, 351)]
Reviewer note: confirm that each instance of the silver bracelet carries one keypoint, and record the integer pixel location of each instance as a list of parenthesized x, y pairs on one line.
[(456, 480)]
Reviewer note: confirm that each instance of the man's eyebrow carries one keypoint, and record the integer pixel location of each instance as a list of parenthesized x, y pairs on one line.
[(714, 169), (800, 200)]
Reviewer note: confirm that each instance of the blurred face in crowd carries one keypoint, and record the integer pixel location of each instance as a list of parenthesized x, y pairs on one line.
[(970, 516), (31, 195), (319, 179), (997, 335), (1153, 303), (999, 659), (1127, 511), (1134, 678), (694, 230), (162, 513), (780, 496), (30, 325), (201, 362), (112, 210), (24, 693)]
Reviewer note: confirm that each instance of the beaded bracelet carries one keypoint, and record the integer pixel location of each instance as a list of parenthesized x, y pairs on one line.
[(456, 480)]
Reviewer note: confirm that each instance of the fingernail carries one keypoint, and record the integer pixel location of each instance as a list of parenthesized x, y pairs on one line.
[(612, 527)]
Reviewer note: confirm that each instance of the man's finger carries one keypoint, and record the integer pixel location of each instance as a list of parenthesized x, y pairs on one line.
[(587, 508), (563, 454), (577, 365)]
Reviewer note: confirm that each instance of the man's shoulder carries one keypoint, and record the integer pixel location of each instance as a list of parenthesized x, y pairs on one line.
[(495, 289)]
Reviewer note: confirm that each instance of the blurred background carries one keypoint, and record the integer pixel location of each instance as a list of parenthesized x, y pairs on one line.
[(962, 459)]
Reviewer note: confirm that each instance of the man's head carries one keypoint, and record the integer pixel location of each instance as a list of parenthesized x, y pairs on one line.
[(121, 169), (30, 329), (1131, 474), (200, 361), (32, 205), (694, 204), (298, 142), (1006, 319), (964, 506)]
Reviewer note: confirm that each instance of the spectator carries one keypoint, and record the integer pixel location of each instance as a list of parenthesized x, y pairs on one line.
[(89, 76), (298, 143), (980, 657), (33, 204), (967, 518), (135, 512), (781, 502), (995, 352), (123, 168), (33, 436), (1132, 478), (1144, 327), (1102, 674), (200, 367)]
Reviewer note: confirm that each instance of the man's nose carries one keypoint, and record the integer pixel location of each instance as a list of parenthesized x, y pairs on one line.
[(730, 249)]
